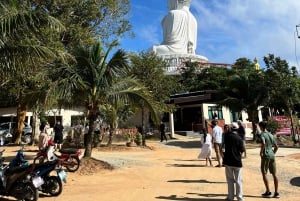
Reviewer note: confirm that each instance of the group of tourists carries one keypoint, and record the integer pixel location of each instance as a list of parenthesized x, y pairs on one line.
[(44, 136), (229, 145)]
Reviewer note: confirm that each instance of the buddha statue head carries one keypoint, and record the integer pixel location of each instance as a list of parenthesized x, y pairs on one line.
[(178, 4)]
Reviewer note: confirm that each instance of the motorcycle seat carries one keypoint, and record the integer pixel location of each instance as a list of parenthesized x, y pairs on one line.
[(16, 169), (68, 151)]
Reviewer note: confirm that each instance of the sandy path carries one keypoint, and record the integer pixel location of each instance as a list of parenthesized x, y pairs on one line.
[(172, 172)]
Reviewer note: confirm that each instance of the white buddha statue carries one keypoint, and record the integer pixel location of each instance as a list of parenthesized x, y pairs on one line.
[(179, 30)]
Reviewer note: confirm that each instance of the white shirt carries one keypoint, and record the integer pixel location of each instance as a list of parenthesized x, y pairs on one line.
[(217, 134)]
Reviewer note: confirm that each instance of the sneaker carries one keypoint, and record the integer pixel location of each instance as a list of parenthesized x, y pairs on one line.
[(266, 194), (276, 195)]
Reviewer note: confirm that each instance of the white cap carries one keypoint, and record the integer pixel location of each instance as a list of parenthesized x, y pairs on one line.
[(234, 125)]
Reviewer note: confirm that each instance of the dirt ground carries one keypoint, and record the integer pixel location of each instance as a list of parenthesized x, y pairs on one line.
[(167, 171)]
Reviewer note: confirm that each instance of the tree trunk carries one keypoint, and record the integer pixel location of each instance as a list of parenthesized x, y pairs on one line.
[(21, 115), (253, 118), (89, 138), (110, 137)]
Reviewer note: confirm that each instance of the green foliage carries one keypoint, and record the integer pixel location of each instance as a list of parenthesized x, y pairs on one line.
[(272, 126), (212, 78), (86, 21), (138, 138), (148, 68)]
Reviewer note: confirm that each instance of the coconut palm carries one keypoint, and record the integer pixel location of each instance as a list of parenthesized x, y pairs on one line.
[(246, 91), (24, 49), (98, 79)]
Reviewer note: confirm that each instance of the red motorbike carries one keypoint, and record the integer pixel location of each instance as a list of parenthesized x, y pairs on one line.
[(70, 157)]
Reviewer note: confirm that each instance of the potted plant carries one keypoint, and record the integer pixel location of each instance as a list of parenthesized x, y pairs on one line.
[(138, 139), (130, 139)]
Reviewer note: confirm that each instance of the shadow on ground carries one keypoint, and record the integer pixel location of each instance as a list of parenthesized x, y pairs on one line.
[(212, 197), (295, 181), (185, 144), (185, 165), (197, 181)]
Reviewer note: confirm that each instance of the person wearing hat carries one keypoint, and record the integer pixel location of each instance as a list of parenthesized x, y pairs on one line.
[(233, 163)]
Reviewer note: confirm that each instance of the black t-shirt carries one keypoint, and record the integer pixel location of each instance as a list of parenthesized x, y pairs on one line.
[(58, 129), (233, 149)]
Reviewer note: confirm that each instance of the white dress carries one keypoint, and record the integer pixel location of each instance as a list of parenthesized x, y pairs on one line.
[(206, 148)]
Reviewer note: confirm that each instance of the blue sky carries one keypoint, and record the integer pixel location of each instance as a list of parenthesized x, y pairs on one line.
[(227, 29)]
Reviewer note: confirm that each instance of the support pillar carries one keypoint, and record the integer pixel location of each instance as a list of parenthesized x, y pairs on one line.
[(171, 119)]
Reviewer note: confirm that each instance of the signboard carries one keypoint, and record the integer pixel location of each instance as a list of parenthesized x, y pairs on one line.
[(285, 125)]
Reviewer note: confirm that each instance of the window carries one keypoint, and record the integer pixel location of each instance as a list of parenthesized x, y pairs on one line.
[(235, 116), (215, 112)]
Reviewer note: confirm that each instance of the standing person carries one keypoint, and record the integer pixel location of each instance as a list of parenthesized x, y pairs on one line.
[(78, 129), (43, 138), (217, 134), (58, 135), (242, 133), (268, 150), (226, 131), (233, 163), (162, 132), (206, 147)]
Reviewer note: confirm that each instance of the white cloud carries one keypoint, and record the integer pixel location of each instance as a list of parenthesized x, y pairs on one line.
[(230, 29)]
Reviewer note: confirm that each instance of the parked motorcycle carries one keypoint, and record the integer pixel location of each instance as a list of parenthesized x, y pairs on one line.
[(52, 184), (19, 182), (70, 158)]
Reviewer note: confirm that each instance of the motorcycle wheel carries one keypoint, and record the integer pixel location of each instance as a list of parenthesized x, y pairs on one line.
[(31, 193), (72, 164), (53, 186)]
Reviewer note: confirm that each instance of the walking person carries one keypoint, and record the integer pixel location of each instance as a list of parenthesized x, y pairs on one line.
[(268, 150), (242, 133), (233, 163), (206, 149), (217, 134), (58, 135), (162, 128)]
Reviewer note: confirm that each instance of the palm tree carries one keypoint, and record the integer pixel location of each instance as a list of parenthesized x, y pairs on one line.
[(97, 80), (23, 48), (246, 91)]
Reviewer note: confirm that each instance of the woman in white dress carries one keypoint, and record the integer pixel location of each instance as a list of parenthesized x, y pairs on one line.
[(206, 149)]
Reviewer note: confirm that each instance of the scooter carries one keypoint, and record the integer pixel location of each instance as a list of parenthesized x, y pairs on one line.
[(52, 184), (70, 158), (19, 182)]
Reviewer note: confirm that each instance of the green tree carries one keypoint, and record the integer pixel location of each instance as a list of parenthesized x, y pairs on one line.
[(99, 78), (24, 49), (150, 70), (88, 20), (210, 78), (245, 90), (283, 85)]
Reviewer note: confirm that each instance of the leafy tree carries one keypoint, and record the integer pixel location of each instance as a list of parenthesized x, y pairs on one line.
[(210, 78), (88, 20), (149, 69), (100, 79), (245, 90), (283, 85), (24, 49)]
